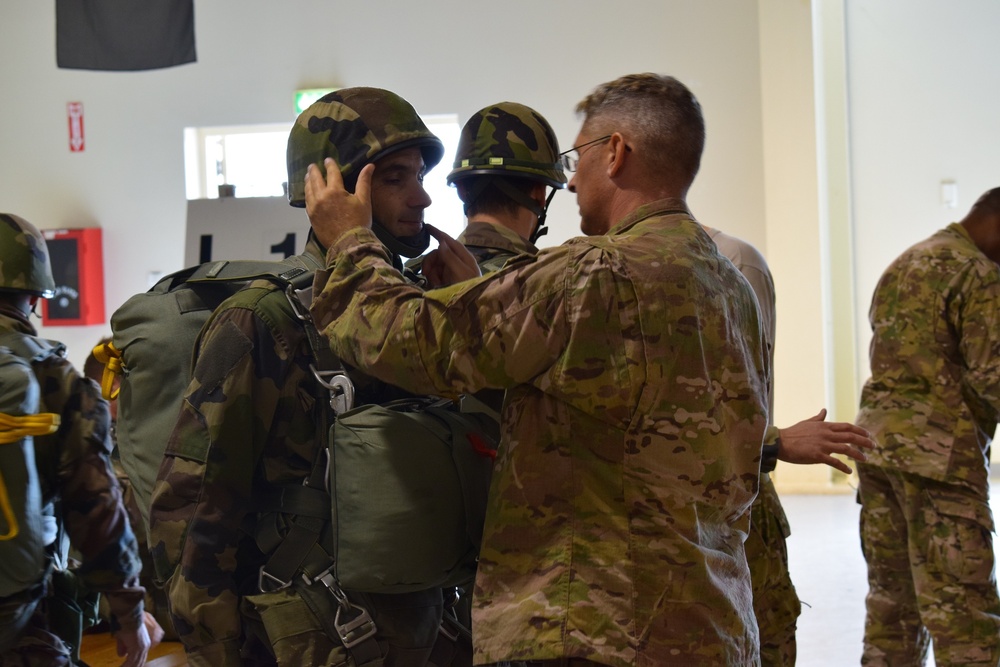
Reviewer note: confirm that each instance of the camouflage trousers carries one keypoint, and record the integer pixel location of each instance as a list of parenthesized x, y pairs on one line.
[(775, 603), (296, 624), (929, 549)]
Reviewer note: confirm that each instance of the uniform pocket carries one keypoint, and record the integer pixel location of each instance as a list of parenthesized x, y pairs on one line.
[(960, 531)]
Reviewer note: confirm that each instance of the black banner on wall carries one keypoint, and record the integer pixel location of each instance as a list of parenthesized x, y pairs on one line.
[(124, 35)]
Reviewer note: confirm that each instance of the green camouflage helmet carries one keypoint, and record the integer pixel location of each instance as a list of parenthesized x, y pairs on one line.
[(509, 139), (24, 258), (355, 126)]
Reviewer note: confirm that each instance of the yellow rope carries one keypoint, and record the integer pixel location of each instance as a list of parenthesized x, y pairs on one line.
[(13, 429), (111, 357)]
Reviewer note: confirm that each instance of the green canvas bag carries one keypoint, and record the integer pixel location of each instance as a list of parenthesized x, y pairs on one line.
[(152, 349), (408, 483)]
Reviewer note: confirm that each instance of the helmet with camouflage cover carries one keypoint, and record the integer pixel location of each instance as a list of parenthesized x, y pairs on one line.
[(508, 139), (358, 126), (24, 258)]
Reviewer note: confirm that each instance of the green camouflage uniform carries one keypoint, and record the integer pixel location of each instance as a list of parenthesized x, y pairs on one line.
[(620, 501), (932, 405), (248, 426), (492, 245), (250, 431), (775, 603), (76, 477)]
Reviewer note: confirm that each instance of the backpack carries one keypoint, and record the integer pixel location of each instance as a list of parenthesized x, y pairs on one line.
[(400, 518), (152, 348), (24, 530)]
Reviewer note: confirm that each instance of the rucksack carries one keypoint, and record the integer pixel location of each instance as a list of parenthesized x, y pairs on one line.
[(25, 532), (153, 344)]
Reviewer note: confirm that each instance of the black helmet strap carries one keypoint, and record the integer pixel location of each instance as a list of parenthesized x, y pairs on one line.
[(540, 228), (406, 246)]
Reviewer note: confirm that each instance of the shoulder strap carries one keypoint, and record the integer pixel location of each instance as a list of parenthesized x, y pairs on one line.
[(31, 348)]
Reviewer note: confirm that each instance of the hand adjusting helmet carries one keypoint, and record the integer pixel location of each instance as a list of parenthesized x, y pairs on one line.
[(509, 140), (358, 126)]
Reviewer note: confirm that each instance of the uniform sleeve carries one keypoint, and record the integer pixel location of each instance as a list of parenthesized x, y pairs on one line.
[(492, 332), (763, 288), (95, 518), (978, 325), (204, 486)]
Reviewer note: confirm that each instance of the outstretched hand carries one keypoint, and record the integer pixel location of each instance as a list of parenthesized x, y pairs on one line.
[(450, 263), (816, 440), (332, 209)]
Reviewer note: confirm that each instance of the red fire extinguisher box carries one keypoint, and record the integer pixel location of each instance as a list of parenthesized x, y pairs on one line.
[(78, 268)]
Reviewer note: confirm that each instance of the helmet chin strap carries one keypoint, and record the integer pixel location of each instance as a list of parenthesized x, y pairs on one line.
[(405, 246), (540, 228), (520, 198)]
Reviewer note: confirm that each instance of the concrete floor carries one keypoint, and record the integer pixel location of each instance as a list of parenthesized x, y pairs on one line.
[(828, 570)]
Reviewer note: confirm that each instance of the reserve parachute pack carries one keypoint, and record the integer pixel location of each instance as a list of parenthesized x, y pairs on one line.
[(25, 530), (398, 499)]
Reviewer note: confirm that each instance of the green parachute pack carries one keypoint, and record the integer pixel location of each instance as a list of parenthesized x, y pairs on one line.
[(397, 503), (25, 531), (151, 351)]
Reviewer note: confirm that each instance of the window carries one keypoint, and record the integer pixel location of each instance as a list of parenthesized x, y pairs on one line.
[(252, 159)]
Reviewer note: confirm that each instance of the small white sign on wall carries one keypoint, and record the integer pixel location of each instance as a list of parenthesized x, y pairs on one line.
[(243, 228)]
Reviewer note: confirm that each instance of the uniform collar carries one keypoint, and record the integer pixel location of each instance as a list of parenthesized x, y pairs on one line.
[(659, 207), (489, 235)]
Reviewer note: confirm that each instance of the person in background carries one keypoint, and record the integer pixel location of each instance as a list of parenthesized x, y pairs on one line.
[(810, 441), (932, 404), (79, 489), (506, 162)]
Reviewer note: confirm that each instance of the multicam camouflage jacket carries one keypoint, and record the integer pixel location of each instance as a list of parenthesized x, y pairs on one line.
[(933, 398), (74, 466), (636, 381)]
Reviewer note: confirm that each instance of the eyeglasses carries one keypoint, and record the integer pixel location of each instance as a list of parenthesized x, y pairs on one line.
[(570, 162)]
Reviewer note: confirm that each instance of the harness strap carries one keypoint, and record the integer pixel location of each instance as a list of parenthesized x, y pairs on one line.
[(453, 639), (14, 429)]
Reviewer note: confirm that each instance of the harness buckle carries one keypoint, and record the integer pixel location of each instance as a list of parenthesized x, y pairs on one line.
[(353, 623), (266, 582), (340, 387)]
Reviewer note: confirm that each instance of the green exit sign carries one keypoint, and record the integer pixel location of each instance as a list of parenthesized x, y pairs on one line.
[(305, 97)]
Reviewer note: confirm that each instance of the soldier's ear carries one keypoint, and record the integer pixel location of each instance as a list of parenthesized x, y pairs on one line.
[(617, 154), (538, 193)]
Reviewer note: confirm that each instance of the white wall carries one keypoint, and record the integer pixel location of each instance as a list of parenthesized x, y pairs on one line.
[(924, 86), (444, 56)]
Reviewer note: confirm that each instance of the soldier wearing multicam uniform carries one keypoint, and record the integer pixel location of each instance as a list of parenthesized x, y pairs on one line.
[(250, 427), (499, 229), (79, 488), (627, 466), (813, 440), (932, 404)]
